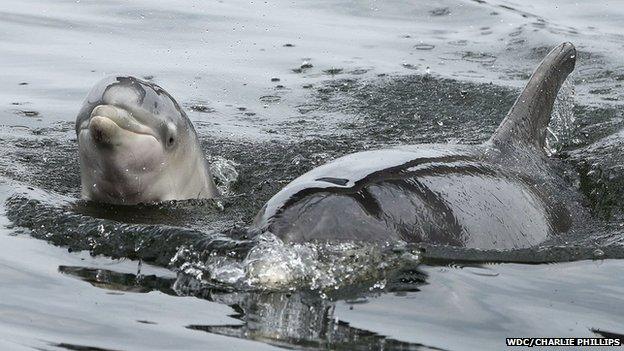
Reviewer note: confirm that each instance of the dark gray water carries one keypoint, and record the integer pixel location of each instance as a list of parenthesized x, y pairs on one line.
[(353, 75)]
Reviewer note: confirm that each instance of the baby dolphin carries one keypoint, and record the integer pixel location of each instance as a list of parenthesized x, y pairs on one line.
[(502, 194), (137, 146)]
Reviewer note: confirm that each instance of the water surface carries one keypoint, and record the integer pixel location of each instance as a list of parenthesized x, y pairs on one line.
[(276, 88)]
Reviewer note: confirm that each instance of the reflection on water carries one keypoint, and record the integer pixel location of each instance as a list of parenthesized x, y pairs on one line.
[(305, 319), (416, 318), (302, 319), (297, 321), (111, 280)]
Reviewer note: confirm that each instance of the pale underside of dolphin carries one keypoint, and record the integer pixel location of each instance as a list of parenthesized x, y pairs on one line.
[(502, 194)]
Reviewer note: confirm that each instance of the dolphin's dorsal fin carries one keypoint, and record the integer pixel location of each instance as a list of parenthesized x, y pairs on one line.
[(528, 118)]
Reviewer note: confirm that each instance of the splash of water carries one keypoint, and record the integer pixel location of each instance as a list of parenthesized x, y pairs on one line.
[(224, 173), (274, 265), (562, 123)]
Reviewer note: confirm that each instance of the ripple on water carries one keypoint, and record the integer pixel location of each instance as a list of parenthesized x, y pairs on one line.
[(480, 57), (270, 98), (424, 46)]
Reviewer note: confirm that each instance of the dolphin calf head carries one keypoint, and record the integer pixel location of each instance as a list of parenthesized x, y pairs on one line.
[(137, 145)]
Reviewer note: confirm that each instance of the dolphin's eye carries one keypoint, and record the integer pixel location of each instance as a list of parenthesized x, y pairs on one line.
[(170, 134)]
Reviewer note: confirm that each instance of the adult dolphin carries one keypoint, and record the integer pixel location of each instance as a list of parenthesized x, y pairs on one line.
[(137, 145), (502, 194)]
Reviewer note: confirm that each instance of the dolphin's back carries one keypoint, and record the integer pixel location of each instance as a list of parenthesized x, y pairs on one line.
[(459, 198)]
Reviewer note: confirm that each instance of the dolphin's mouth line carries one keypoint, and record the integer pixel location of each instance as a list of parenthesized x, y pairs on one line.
[(87, 127)]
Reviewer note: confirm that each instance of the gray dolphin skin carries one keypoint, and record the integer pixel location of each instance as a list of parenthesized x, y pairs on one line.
[(502, 194), (138, 146)]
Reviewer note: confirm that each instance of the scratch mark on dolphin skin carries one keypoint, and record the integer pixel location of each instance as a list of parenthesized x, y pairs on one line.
[(368, 202), (438, 207)]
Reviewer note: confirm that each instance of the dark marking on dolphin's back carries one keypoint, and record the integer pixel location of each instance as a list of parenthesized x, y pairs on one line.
[(336, 181), (368, 202), (443, 226)]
